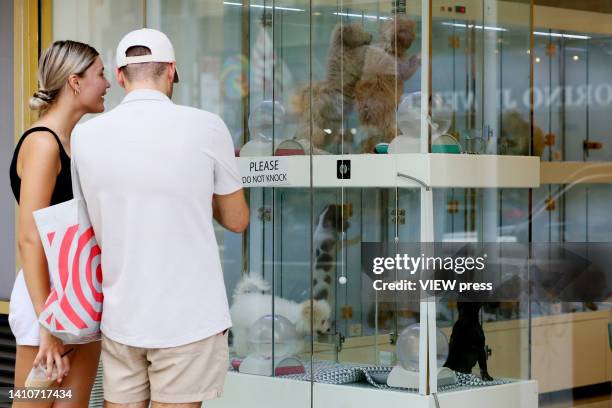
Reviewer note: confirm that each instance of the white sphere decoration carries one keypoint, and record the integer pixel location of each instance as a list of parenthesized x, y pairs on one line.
[(261, 340), (409, 115), (266, 119), (408, 347), (441, 116), (342, 280), (409, 122)]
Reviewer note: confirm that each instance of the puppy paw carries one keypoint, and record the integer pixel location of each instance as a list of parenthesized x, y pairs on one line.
[(414, 60), (410, 67), (485, 376)]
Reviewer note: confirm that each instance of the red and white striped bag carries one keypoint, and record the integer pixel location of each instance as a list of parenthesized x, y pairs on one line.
[(73, 309)]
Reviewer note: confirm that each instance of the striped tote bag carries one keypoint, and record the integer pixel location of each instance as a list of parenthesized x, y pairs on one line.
[(73, 310)]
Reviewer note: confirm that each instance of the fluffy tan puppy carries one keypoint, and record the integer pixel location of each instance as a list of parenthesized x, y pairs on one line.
[(378, 92), (332, 99)]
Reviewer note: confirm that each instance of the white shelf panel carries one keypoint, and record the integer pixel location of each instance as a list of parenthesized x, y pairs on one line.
[(435, 170), (453, 170)]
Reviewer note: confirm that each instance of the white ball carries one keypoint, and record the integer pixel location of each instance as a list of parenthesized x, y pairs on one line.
[(266, 118), (342, 280), (272, 332), (408, 347)]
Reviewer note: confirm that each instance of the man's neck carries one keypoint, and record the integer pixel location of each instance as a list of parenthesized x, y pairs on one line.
[(153, 86)]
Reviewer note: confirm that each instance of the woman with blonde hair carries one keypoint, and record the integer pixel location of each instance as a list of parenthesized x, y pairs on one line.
[(72, 83)]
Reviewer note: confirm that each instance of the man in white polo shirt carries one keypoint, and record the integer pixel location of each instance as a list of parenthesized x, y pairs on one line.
[(154, 174)]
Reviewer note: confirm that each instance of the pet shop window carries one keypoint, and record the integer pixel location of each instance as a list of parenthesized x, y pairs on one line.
[(390, 123)]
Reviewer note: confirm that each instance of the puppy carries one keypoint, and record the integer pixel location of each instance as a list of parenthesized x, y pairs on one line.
[(250, 302), (327, 234), (516, 135), (332, 99), (467, 342), (331, 222), (379, 91)]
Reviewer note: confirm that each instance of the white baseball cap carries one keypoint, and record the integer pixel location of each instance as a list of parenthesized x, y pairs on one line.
[(156, 41)]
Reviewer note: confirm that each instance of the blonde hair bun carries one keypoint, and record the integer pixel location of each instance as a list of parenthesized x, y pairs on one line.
[(56, 64), (41, 100)]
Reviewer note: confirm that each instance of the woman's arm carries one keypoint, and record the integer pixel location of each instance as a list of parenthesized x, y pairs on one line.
[(38, 167)]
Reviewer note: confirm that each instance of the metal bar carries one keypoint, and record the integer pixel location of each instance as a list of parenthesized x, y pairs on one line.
[(421, 182)]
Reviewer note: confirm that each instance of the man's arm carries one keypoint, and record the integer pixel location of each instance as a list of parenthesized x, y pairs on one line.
[(231, 211)]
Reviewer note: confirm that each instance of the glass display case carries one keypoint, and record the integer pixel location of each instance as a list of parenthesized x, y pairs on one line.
[(331, 90), (379, 124)]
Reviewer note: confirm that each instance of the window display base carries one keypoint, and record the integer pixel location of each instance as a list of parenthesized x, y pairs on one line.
[(244, 390)]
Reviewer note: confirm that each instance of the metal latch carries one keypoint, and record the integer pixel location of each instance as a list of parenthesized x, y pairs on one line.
[(337, 339)]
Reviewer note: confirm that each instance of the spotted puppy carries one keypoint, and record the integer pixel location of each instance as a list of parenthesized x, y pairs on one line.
[(331, 222)]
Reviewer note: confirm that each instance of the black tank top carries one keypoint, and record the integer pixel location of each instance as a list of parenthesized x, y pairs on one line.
[(63, 184)]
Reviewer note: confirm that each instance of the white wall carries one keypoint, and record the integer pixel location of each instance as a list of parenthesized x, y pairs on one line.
[(7, 202)]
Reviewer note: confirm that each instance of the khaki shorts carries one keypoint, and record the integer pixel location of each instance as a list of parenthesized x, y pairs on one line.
[(191, 373)]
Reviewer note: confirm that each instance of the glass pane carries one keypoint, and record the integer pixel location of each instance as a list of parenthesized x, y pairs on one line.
[(572, 94), (599, 136), (101, 24), (481, 68), (244, 67), (365, 61), (359, 75), (548, 108)]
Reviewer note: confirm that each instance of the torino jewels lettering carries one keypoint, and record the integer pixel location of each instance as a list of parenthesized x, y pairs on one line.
[(596, 96)]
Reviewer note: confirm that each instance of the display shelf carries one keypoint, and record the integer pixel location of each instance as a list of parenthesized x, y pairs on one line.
[(436, 170), (576, 172), (244, 390)]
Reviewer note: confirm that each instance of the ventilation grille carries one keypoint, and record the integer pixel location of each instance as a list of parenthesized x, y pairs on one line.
[(7, 358)]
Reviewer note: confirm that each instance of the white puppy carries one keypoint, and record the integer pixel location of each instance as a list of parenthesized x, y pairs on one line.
[(250, 304)]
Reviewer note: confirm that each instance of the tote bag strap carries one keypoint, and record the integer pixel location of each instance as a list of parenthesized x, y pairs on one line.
[(77, 192)]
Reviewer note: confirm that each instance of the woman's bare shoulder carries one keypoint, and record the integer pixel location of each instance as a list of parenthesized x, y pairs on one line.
[(40, 142), (41, 149)]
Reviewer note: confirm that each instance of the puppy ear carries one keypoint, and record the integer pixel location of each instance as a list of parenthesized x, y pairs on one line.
[(353, 35), (341, 35)]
